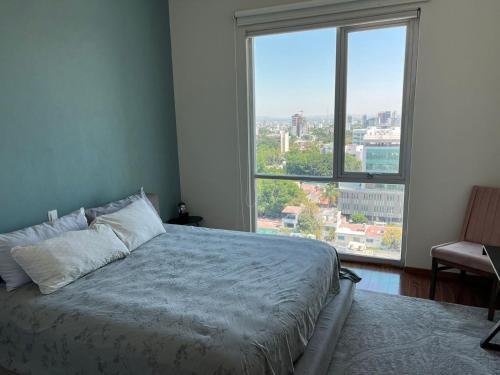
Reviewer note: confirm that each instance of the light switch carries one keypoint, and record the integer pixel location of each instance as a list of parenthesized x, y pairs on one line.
[(52, 216)]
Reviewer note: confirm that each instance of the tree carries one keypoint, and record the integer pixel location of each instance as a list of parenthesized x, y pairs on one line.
[(286, 231), (330, 235), (266, 137), (331, 193), (322, 135), (348, 137), (392, 238), (359, 218), (274, 195), (268, 158), (309, 221), (310, 162), (352, 163)]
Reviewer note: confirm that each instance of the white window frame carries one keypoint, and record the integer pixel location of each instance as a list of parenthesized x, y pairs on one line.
[(250, 24)]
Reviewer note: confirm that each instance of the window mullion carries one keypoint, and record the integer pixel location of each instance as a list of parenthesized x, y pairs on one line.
[(408, 96), (340, 103)]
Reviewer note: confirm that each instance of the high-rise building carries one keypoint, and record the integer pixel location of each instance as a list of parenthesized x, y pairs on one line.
[(349, 122), (364, 121), (378, 202), (299, 124), (395, 119), (284, 141), (358, 136), (381, 150), (384, 118)]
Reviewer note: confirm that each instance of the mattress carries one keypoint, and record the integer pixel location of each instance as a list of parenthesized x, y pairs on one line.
[(191, 301)]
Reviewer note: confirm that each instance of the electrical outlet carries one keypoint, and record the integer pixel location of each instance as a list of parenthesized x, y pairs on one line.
[(52, 216)]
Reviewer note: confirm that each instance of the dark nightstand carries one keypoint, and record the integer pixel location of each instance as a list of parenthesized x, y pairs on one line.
[(190, 220)]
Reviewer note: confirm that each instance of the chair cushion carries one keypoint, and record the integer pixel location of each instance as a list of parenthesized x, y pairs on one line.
[(469, 254)]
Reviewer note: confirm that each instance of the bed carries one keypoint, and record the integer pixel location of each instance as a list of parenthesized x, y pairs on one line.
[(191, 301)]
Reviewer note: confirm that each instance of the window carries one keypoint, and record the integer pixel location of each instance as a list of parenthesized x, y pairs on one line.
[(331, 117), (374, 99)]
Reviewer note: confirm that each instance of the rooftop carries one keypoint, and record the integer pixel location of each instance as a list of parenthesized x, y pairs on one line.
[(292, 210)]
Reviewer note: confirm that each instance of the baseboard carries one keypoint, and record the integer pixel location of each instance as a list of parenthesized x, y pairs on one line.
[(452, 274)]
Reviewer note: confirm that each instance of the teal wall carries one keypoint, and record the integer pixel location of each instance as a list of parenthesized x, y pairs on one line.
[(86, 106)]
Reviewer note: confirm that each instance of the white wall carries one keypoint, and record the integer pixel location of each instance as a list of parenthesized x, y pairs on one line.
[(456, 140)]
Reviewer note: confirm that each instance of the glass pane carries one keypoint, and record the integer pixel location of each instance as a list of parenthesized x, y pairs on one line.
[(361, 219), (294, 102), (375, 74)]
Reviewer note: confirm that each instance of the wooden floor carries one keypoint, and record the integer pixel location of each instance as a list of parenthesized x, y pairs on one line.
[(472, 290)]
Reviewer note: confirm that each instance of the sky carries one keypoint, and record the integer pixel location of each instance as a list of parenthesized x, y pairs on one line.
[(296, 72)]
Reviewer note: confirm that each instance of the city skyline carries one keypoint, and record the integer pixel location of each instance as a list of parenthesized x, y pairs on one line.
[(321, 117)]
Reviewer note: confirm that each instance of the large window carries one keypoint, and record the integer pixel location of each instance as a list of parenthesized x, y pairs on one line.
[(331, 135)]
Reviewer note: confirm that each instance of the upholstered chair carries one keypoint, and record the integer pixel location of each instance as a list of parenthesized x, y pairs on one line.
[(481, 227)]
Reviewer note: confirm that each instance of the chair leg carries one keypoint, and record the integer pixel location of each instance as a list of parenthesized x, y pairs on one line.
[(432, 292), (493, 299)]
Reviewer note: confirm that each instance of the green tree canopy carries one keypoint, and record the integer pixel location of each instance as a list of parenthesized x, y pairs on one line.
[(310, 162), (268, 159), (323, 135), (274, 195), (309, 221), (352, 164), (330, 235), (348, 137), (392, 238), (331, 193), (359, 218)]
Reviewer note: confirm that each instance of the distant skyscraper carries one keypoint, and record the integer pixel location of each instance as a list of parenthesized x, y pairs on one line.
[(384, 118), (358, 135), (284, 141), (395, 119), (364, 121), (299, 124)]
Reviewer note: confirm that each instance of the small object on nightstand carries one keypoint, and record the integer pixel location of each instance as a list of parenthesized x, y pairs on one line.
[(186, 220), (182, 210)]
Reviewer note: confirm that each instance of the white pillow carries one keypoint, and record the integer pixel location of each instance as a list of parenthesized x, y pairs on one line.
[(59, 261), (134, 224), (10, 272)]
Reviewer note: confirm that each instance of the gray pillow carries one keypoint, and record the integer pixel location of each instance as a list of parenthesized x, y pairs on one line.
[(112, 207), (10, 271)]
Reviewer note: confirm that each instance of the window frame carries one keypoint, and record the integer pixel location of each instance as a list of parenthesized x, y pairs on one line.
[(246, 114), (407, 105)]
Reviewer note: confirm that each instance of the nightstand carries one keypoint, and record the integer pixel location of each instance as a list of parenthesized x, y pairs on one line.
[(190, 220)]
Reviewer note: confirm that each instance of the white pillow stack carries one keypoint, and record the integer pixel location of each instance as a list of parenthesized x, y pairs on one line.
[(10, 271), (58, 261), (134, 225)]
